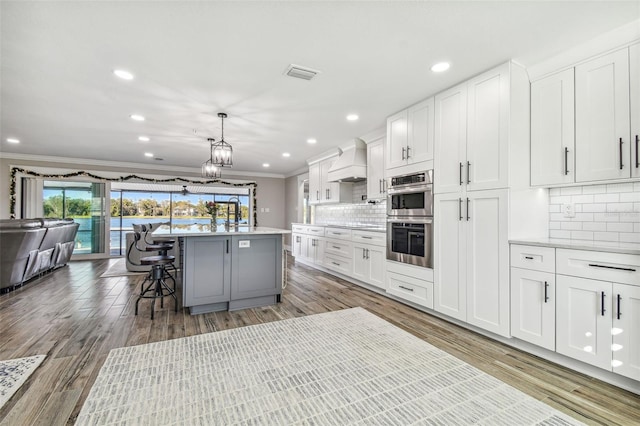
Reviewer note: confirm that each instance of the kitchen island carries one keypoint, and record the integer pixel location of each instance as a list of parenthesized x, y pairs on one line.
[(228, 268)]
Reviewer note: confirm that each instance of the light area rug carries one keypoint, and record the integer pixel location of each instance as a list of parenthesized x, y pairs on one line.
[(338, 368), (13, 374), (119, 269)]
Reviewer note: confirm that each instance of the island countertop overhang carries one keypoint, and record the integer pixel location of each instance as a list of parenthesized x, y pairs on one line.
[(202, 230)]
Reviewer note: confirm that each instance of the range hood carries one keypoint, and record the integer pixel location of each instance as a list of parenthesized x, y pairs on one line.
[(351, 165)]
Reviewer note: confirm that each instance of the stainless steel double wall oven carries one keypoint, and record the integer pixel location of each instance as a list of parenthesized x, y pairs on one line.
[(410, 219)]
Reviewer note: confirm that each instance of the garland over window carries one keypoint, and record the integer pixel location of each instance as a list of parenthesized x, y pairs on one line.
[(16, 170)]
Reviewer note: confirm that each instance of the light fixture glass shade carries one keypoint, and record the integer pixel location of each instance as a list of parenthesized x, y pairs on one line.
[(209, 168), (222, 152)]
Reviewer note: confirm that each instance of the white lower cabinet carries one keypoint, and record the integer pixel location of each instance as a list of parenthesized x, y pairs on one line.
[(471, 254), (626, 331), (533, 307), (411, 289), (369, 264)]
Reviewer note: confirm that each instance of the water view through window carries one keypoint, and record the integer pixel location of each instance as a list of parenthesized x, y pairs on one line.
[(144, 207)]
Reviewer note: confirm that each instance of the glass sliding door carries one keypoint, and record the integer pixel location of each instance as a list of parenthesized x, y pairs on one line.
[(82, 202)]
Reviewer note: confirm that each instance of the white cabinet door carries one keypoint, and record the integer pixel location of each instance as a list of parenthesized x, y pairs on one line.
[(602, 118), (583, 321), (314, 183), (634, 84), (488, 130), (450, 296), (420, 119), (626, 330), (487, 260), (315, 249), (375, 170), (533, 307), (397, 138), (325, 186), (360, 263), (297, 245), (552, 129), (450, 139), (377, 257)]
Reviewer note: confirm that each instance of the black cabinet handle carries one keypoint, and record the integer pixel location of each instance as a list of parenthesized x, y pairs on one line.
[(336, 247), (405, 288), (468, 209), (366, 238), (227, 246), (461, 166), (468, 172), (408, 148), (317, 195), (637, 160), (367, 253), (621, 165), (619, 314), (566, 160), (602, 309), (337, 264), (546, 292), (595, 265), (528, 257), (459, 209), (403, 148)]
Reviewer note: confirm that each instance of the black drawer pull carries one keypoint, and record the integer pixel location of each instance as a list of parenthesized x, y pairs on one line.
[(366, 238), (595, 265), (546, 292), (602, 309), (619, 314), (405, 288), (528, 257), (336, 247), (337, 264), (566, 161)]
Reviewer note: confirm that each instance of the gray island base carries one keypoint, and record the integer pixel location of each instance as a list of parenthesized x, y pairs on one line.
[(229, 269)]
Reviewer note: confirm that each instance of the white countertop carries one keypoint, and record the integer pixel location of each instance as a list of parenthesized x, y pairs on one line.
[(363, 227), (612, 247), (201, 230)]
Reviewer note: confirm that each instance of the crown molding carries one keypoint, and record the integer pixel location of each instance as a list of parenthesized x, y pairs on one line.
[(157, 168)]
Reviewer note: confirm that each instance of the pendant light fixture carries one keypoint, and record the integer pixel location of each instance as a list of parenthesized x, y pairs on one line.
[(209, 169), (222, 152)]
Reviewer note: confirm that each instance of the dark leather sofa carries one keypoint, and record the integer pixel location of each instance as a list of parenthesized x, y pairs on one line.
[(31, 247)]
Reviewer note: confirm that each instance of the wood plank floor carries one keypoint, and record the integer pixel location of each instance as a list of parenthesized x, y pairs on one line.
[(75, 318)]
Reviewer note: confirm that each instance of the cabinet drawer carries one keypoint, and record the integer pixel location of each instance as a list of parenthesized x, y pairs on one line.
[(299, 229), (338, 247), (409, 288), (533, 257), (339, 233), (338, 264), (315, 230), (596, 265), (368, 237)]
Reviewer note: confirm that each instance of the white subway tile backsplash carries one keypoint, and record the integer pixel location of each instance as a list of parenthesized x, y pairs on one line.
[(609, 212), (606, 198), (581, 235)]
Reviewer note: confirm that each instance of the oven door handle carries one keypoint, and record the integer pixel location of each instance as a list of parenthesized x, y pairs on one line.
[(411, 190), (412, 220)]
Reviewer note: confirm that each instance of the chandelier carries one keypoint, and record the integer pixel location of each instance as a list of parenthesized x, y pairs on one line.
[(209, 168), (222, 152)]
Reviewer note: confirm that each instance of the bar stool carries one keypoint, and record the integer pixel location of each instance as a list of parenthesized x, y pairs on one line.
[(157, 287), (165, 245)]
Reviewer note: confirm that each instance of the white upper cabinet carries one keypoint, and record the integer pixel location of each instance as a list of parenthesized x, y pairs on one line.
[(488, 130), (634, 84), (451, 139), (410, 137), (552, 129), (603, 145), (321, 190), (472, 133), (376, 185)]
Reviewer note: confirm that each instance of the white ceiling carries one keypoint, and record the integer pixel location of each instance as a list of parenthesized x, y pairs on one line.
[(192, 60)]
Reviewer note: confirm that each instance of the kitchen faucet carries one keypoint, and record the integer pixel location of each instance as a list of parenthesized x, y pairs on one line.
[(237, 203)]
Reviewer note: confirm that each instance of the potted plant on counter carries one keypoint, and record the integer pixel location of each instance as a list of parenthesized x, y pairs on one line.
[(212, 209)]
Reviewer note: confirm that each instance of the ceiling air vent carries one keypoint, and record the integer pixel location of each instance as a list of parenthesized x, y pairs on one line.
[(298, 71)]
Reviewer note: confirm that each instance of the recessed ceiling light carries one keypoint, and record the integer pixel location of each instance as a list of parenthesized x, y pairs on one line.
[(440, 67), (265, 164), (125, 75), (311, 140), (286, 154), (143, 138), (13, 140), (352, 117), (137, 117), (148, 154)]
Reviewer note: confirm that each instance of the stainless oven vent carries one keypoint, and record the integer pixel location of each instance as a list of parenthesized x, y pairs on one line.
[(298, 71)]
